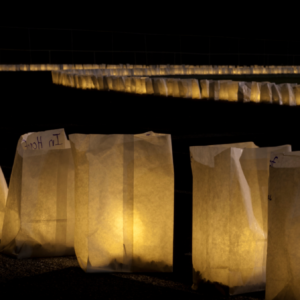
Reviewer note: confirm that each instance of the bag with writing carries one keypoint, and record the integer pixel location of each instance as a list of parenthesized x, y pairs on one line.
[(3, 196), (283, 260), (124, 195), (230, 189), (39, 213)]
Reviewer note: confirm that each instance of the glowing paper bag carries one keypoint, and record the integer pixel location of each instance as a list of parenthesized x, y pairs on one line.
[(149, 86), (3, 196), (208, 88), (276, 95), (283, 260), (39, 213), (124, 195), (140, 85), (255, 92), (160, 87), (230, 188), (223, 91), (287, 93), (296, 90), (172, 86), (266, 92), (244, 91), (233, 88)]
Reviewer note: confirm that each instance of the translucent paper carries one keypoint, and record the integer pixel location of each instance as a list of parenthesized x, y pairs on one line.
[(207, 88), (184, 88), (39, 213), (172, 86), (287, 93), (255, 92), (223, 91), (244, 91), (266, 92), (124, 194), (3, 196), (226, 90), (230, 188), (283, 260), (296, 90), (160, 87)]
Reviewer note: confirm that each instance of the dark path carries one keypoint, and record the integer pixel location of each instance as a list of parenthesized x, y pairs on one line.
[(62, 278)]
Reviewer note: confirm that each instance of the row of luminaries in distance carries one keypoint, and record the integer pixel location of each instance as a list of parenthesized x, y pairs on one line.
[(228, 90), (152, 70), (109, 199)]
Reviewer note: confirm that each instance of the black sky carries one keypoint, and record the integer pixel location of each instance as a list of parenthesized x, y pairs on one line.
[(220, 18)]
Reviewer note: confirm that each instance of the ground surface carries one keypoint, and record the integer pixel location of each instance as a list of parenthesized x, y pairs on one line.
[(61, 277)]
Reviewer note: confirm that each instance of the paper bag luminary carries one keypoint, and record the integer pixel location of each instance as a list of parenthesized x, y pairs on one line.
[(3, 195), (283, 259), (124, 199), (230, 200), (39, 213)]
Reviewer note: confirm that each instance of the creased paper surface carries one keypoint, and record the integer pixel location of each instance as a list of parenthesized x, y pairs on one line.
[(39, 214), (283, 260), (230, 186), (124, 194)]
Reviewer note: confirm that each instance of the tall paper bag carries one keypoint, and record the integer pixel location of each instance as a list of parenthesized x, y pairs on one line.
[(3, 196), (39, 213), (230, 186), (124, 195), (283, 260)]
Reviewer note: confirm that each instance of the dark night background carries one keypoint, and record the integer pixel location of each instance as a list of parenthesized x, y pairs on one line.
[(182, 33)]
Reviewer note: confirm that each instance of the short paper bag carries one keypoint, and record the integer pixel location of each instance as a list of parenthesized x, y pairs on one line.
[(124, 195), (230, 187), (39, 213)]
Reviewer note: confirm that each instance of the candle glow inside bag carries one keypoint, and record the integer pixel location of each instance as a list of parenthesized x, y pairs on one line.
[(124, 195), (283, 260), (3, 196), (230, 187), (39, 213)]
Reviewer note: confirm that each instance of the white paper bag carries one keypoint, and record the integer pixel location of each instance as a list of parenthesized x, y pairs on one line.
[(276, 95), (296, 90), (266, 92), (208, 89), (244, 91), (124, 195), (118, 84), (39, 213), (3, 196), (287, 93), (233, 88), (223, 92), (230, 187), (283, 260), (160, 87), (140, 83), (172, 86), (255, 92)]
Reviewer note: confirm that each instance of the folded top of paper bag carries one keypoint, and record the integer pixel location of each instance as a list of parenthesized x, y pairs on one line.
[(45, 140), (285, 159), (206, 154)]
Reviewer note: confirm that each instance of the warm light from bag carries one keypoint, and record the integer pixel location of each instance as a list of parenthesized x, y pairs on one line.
[(39, 213), (283, 258), (3, 196), (230, 189), (124, 194)]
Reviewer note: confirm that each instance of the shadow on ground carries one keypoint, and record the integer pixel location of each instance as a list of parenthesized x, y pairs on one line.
[(73, 283)]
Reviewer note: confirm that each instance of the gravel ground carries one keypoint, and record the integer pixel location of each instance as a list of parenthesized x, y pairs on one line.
[(61, 277)]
